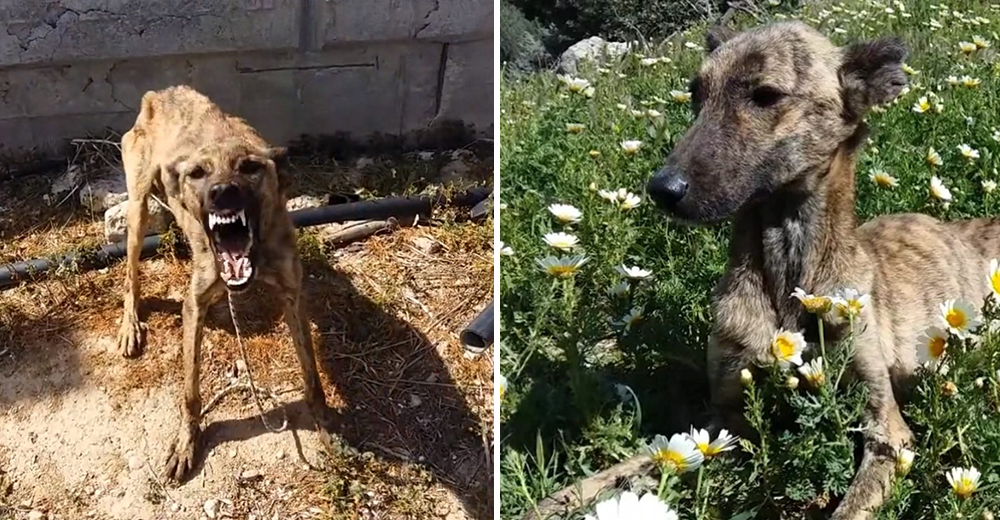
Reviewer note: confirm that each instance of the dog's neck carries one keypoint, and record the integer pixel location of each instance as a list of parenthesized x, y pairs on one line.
[(801, 236)]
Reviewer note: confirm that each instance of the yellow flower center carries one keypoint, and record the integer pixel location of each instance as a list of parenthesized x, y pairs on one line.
[(955, 318), (816, 304), (782, 348), (964, 487), (924, 105), (672, 459), (562, 270), (883, 180), (995, 282), (816, 378), (936, 347)]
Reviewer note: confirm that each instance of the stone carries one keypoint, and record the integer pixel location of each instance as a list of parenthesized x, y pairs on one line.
[(101, 194), (36, 515), (594, 49), (425, 244), (304, 201), (135, 462), (211, 508), (115, 221), (65, 183)]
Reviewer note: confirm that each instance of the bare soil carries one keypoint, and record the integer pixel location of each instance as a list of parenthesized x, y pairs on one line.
[(84, 432)]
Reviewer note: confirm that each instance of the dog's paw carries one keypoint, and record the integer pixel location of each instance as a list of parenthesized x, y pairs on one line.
[(131, 337), (180, 455)]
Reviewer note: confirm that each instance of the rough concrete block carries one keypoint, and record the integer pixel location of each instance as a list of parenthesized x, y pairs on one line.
[(386, 20), (458, 20), (60, 32), (467, 91)]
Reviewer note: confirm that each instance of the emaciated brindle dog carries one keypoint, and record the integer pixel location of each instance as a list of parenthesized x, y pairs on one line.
[(778, 126), (221, 181)]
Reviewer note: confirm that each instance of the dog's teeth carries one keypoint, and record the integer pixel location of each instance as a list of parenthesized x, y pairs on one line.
[(211, 221), (243, 217)]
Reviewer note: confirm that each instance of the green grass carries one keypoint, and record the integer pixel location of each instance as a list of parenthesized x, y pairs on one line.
[(570, 410)]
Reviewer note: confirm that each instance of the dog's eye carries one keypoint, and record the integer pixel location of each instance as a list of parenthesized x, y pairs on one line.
[(766, 96), (250, 167), (197, 173)]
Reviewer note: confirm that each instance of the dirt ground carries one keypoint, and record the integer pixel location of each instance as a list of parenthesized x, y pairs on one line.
[(84, 432)]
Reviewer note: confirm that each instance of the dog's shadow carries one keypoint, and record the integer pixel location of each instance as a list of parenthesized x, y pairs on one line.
[(400, 401)]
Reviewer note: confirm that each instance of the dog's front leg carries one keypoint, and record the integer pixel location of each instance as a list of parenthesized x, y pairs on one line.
[(885, 432), (205, 289)]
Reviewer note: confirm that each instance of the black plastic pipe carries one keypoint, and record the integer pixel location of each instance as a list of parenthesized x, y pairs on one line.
[(396, 207), (478, 335)]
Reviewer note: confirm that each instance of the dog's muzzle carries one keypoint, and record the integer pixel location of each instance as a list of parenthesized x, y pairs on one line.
[(232, 235), (667, 188)]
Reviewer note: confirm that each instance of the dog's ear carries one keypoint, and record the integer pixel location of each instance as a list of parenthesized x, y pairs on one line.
[(180, 167), (871, 74), (716, 36), (279, 155)]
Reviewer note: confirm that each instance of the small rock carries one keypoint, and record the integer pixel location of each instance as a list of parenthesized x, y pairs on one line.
[(36, 515), (364, 162), (303, 202), (425, 155), (134, 462), (250, 474), (241, 367), (433, 378), (415, 401), (211, 507), (101, 194), (115, 221), (456, 172), (175, 507), (232, 454), (280, 455), (595, 49), (426, 244), (67, 181)]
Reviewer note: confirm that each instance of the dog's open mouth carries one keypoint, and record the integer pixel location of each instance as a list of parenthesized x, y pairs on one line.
[(232, 236)]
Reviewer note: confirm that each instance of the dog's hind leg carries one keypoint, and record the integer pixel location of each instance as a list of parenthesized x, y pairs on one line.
[(139, 180), (206, 287), (297, 320)]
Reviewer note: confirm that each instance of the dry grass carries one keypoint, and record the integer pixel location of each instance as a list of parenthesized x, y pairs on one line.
[(386, 316)]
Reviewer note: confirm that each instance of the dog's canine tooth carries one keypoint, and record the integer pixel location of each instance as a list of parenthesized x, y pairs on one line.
[(212, 220), (243, 217)]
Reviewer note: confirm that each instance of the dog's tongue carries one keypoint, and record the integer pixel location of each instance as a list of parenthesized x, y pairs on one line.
[(235, 266)]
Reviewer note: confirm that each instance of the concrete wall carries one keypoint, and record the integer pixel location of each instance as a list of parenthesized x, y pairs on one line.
[(72, 67)]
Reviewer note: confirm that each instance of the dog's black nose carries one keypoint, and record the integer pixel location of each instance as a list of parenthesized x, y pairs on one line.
[(667, 187), (225, 196)]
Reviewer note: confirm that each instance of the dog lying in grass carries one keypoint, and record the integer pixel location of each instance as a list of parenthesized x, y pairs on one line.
[(779, 122)]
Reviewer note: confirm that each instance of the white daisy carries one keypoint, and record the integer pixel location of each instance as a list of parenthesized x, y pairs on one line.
[(680, 96), (931, 346), (850, 303), (629, 201), (883, 179), (631, 147), (504, 249), (501, 385), (813, 372), (939, 190), (634, 272), (994, 278), (563, 241), (562, 267), (968, 153), (959, 317), (630, 507), (787, 347), (964, 481), (679, 455), (904, 461), (933, 158), (631, 319), (618, 289), (989, 186), (565, 213)]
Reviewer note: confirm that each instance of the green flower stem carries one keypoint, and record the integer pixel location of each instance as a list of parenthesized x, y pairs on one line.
[(833, 389), (664, 475), (697, 493)]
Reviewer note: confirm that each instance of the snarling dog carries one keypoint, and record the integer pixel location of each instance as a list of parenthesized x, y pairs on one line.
[(221, 181), (779, 122)]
